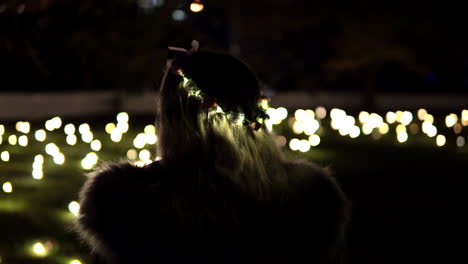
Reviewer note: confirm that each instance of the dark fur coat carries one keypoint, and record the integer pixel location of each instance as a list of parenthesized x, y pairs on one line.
[(155, 214)]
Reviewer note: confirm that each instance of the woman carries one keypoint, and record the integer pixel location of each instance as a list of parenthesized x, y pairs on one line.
[(223, 191)]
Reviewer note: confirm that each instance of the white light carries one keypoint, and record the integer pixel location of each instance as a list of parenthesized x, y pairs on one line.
[(71, 140), (53, 123), (5, 156), (23, 127), (440, 140), (37, 174), (69, 129), (150, 129), (122, 127), (375, 120), (23, 140), (132, 154), (337, 113), (355, 132), (139, 141), (294, 144), (304, 145), (144, 155), (122, 117), (96, 145), (314, 140), (432, 131), (7, 187), (59, 158), (40, 135), (39, 158), (367, 129), (179, 15), (450, 120), (151, 139), (83, 128), (74, 208), (116, 135), (87, 136), (12, 139), (402, 137), (89, 161), (2, 130), (300, 115), (75, 261), (39, 250), (344, 130), (282, 113), (311, 127), (298, 127), (52, 149), (460, 141), (406, 118)]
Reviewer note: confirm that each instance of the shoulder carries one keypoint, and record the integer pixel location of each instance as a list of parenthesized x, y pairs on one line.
[(111, 199)]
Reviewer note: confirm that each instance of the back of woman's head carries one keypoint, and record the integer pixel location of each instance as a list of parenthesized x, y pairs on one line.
[(212, 112)]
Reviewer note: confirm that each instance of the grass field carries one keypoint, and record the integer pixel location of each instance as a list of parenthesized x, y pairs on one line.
[(408, 197)]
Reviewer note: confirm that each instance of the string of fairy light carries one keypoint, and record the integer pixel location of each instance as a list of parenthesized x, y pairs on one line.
[(306, 124)]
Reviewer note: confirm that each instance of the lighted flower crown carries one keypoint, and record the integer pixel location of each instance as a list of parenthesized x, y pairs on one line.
[(211, 103)]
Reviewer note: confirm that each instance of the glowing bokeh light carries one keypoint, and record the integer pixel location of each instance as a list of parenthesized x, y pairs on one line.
[(96, 145), (402, 137), (421, 114), (2, 130), (74, 208), (7, 187), (12, 139), (314, 140), (40, 250), (139, 141), (196, 7), (109, 128), (83, 128), (40, 135), (320, 112), (354, 132), (39, 158), (294, 144), (400, 128), (75, 261), (52, 149), (179, 15), (5, 156), (391, 117), (71, 140), (122, 117), (23, 140), (23, 127), (144, 155), (429, 118), (132, 154), (384, 128), (363, 117), (440, 140), (116, 135), (59, 158), (69, 129), (304, 145), (37, 174), (414, 128), (87, 136), (406, 118), (150, 129), (457, 128)]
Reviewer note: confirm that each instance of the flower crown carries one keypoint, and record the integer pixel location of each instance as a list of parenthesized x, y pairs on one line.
[(260, 113)]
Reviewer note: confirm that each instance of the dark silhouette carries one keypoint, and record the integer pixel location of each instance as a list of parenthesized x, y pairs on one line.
[(223, 191)]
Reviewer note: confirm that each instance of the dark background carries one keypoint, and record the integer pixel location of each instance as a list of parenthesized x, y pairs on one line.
[(374, 46)]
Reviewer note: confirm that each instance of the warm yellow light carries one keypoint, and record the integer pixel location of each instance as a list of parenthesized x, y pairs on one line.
[(440, 140), (110, 127), (391, 117), (300, 115), (96, 145), (52, 149), (150, 129), (5, 156), (12, 139), (132, 154), (282, 113), (7, 187), (464, 117), (196, 7), (402, 137), (421, 114), (83, 128), (320, 112), (383, 129), (363, 117), (75, 261), (40, 135), (367, 129), (39, 250), (89, 161), (429, 118), (2, 130), (336, 113), (144, 155), (39, 158), (432, 131), (400, 128), (23, 140), (87, 136), (294, 144), (151, 139), (139, 141), (314, 140), (298, 127), (74, 208), (311, 127), (37, 174)]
